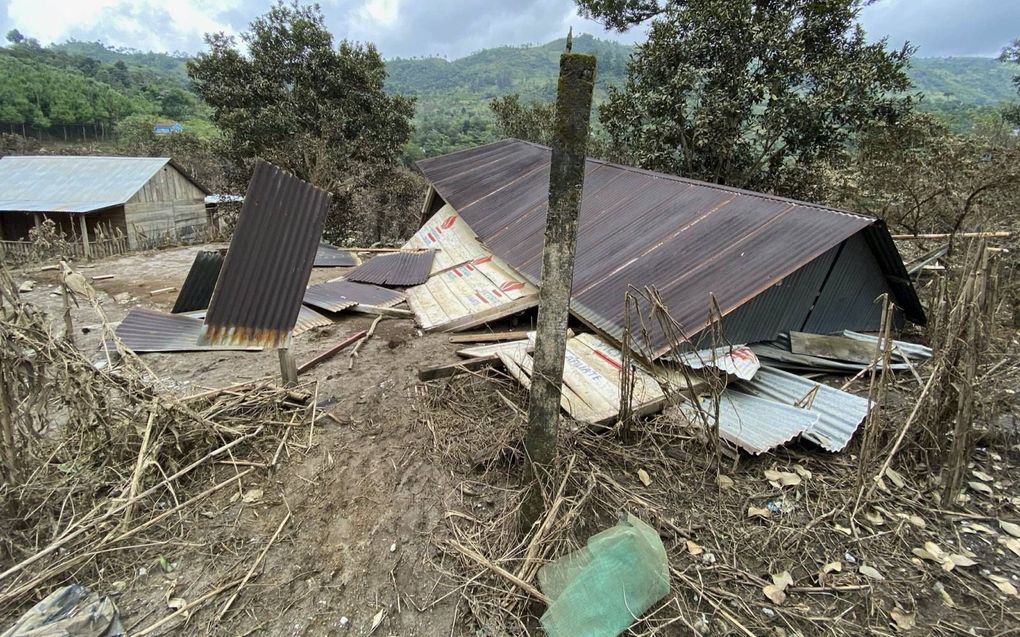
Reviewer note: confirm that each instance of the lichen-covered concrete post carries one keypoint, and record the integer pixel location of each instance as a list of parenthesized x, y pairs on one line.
[(566, 178)]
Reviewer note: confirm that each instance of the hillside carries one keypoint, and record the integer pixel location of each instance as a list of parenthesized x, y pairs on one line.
[(453, 95)]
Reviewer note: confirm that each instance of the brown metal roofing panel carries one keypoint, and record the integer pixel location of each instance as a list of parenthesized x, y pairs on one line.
[(328, 256), (145, 330), (402, 269), (440, 168), (198, 286), (335, 296), (492, 213), (309, 319), (259, 291)]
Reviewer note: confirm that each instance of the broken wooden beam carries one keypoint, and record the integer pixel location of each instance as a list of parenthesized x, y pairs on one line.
[(460, 367), (329, 353), (162, 290), (490, 337)]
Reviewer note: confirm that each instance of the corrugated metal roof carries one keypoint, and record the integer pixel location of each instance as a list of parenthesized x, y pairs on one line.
[(402, 269), (911, 350), (753, 424), (145, 330), (309, 319), (259, 291), (738, 360), (839, 413), (197, 289), (688, 239), (72, 183), (336, 296), (328, 256)]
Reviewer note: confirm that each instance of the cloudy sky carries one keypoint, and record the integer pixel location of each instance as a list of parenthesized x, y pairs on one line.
[(455, 28)]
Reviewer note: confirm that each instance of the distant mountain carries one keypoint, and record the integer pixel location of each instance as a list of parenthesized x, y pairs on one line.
[(453, 95)]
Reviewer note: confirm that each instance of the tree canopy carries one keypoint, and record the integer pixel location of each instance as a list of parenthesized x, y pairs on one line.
[(750, 93)]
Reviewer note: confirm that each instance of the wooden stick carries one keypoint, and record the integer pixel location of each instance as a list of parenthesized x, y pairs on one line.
[(136, 477), (460, 367), (1003, 234), (187, 607), (329, 353), (368, 335), (382, 311), (498, 570), (489, 337), (162, 290), (385, 249), (254, 566)]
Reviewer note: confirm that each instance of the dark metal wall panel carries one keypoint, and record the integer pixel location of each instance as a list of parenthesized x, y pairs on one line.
[(197, 289), (401, 269), (327, 256), (145, 330), (690, 240), (259, 291), (889, 259), (849, 300)]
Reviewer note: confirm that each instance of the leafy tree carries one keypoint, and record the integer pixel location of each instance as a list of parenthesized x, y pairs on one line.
[(14, 36), (750, 93), (532, 122), (318, 111)]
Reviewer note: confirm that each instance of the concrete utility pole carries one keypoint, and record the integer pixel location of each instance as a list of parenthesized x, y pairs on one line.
[(566, 179)]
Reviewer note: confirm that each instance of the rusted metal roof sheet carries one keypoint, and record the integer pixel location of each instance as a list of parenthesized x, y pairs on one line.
[(259, 291), (688, 239), (145, 330), (328, 256), (198, 286), (401, 269), (336, 296), (309, 319), (839, 413)]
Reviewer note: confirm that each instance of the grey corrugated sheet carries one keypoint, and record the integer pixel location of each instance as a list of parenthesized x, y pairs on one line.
[(753, 424), (72, 183), (911, 350), (197, 289), (777, 354), (402, 269), (309, 319), (259, 291), (839, 413), (688, 239), (145, 330), (335, 296), (328, 256)]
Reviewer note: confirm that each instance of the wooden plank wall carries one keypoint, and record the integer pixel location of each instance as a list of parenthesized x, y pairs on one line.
[(168, 209)]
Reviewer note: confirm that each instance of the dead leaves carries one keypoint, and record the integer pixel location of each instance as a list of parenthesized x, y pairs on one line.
[(902, 619), (871, 573), (1003, 584), (1009, 527), (948, 561), (758, 512), (725, 482), (776, 591), (781, 479), (644, 477), (694, 548), (980, 487)]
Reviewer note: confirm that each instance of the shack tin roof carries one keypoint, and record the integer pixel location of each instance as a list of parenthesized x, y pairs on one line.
[(690, 240)]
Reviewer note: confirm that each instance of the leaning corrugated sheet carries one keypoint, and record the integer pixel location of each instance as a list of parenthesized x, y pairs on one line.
[(309, 319), (198, 287), (751, 423), (328, 256), (690, 240), (259, 291), (145, 330), (336, 296), (402, 269), (839, 413)]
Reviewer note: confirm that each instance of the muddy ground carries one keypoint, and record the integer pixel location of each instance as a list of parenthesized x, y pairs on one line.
[(365, 496)]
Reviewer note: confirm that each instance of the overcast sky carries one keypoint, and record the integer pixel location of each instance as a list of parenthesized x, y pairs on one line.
[(455, 28)]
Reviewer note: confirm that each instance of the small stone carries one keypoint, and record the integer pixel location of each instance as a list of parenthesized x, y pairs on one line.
[(344, 621), (142, 571), (393, 547)]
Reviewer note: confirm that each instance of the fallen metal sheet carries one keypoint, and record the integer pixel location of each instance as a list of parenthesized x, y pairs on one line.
[(259, 291), (591, 380), (453, 241), (930, 259), (309, 319), (778, 354), (738, 360), (910, 350), (145, 330), (399, 269), (337, 296), (754, 424), (840, 348), (328, 256), (839, 413), (690, 240), (197, 289), (469, 295)]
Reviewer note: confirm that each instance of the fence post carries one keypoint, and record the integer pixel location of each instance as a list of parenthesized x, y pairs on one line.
[(85, 238)]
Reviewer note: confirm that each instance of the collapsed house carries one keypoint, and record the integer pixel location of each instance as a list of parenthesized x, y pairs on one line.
[(771, 264)]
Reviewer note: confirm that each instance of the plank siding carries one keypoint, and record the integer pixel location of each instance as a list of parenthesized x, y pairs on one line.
[(169, 207)]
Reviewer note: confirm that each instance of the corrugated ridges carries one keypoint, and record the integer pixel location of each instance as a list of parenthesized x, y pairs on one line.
[(145, 330), (259, 291), (309, 319), (754, 424), (402, 269), (329, 256), (692, 241), (839, 413), (198, 286), (335, 296)]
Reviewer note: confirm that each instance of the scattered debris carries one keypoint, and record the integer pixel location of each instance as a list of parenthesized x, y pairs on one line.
[(340, 295), (330, 256), (737, 360), (145, 330), (396, 269), (69, 611)]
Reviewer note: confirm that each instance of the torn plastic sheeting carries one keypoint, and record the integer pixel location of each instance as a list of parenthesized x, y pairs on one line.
[(911, 350), (754, 424), (603, 588), (738, 360), (839, 413), (70, 611)]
